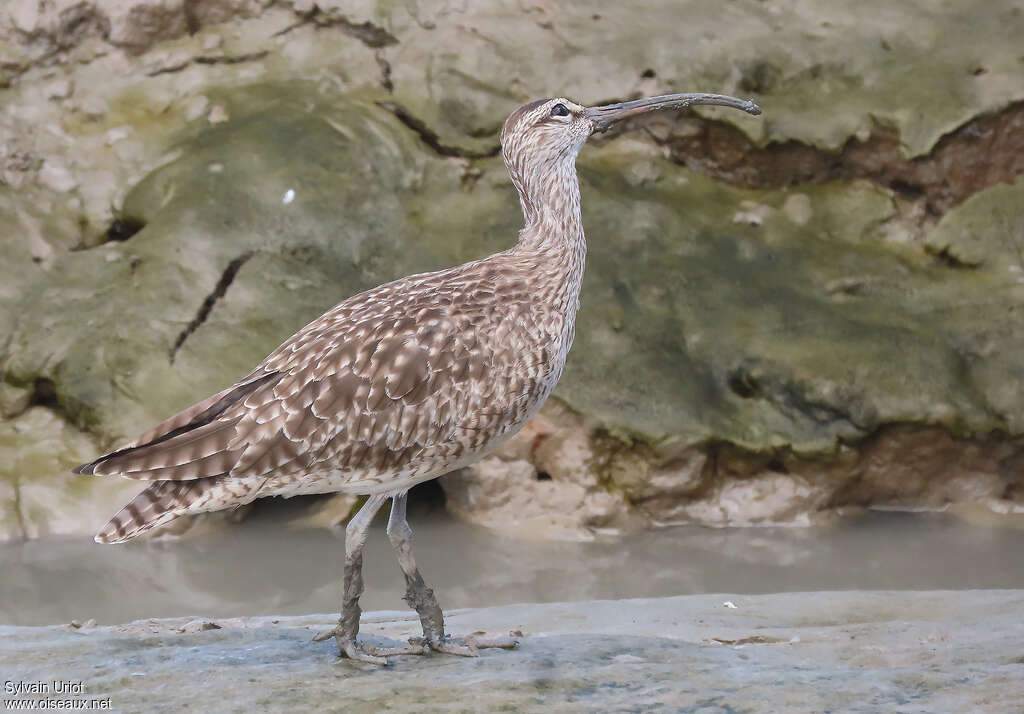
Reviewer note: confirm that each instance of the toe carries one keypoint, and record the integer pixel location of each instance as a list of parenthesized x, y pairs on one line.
[(336, 632), (410, 649), (500, 642), (353, 651), (448, 646)]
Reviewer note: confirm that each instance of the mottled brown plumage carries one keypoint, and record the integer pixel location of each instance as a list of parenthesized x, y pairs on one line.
[(401, 383), (393, 386)]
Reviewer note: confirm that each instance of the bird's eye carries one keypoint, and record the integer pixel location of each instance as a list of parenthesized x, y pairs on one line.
[(559, 110)]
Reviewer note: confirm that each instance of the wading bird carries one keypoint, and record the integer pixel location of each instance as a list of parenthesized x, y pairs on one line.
[(398, 384)]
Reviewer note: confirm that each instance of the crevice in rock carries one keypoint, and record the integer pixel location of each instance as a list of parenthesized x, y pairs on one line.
[(385, 71), (373, 36), (369, 34), (192, 23), (44, 394), (304, 19), (33, 392), (9, 71), (210, 59), (951, 261), (169, 69), (982, 152), (121, 229), (39, 391), (226, 278), (429, 137), (742, 383), (231, 59)]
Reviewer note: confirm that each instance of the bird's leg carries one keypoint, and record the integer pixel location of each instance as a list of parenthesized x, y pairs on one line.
[(417, 594), (421, 598), (348, 624)]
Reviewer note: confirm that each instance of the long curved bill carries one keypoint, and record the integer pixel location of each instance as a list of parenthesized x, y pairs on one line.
[(604, 116)]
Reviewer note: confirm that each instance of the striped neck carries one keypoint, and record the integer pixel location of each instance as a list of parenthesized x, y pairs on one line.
[(550, 198), (553, 229)]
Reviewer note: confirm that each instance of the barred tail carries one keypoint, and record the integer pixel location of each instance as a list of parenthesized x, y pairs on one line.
[(156, 505)]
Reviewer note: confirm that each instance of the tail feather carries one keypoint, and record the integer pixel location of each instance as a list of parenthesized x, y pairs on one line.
[(156, 505)]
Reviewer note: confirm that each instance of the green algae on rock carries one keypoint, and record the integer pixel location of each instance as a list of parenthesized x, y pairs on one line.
[(734, 321), (37, 497)]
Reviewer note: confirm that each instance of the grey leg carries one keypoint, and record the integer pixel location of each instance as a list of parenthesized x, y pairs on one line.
[(417, 594), (348, 625), (421, 598)]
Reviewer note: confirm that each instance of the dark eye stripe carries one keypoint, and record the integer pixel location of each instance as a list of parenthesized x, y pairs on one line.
[(559, 110)]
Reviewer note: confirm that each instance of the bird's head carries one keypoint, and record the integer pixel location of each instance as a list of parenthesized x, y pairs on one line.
[(544, 132), (541, 139)]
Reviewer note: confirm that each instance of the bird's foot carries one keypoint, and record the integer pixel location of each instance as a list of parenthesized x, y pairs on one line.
[(467, 646), (362, 652)]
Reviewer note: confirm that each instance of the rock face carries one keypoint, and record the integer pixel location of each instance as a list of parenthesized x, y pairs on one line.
[(800, 652), (36, 449), (781, 317)]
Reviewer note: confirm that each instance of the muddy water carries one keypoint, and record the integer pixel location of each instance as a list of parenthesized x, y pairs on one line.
[(260, 567)]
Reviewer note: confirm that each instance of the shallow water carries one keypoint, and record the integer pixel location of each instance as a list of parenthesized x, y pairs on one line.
[(260, 567)]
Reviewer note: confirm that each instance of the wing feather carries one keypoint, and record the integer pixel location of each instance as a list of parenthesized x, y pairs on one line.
[(194, 433), (372, 385)]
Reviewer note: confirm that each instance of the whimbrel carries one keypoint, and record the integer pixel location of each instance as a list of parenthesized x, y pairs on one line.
[(398, 384)]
